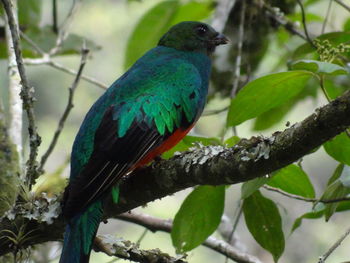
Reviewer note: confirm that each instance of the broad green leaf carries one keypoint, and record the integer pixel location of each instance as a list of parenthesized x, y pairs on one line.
[(266, 93), (334, 89), (339, 148), (194, 11), (273, 116), (319, 67), (249, 187), (316, 213), (334, 191), (232, 141), (190, 141), (158, 20), (338, 186), (310, 17), (292, 179), (149, 30), (336, 174), (29, 13), (346, 26), (264, 223), (198, 217)]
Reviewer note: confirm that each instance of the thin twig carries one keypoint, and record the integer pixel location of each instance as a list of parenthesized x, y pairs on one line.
[(306, 199), (288, 25), (155, 224), (63, 30), (323, 258), (46, 60), (32, 43), (238, 215), (213, 112), (327, 16), (324, 89), (73, 72), (84, 54), (303, 17), (26, 95), (54, 16), (343, 5), (237, 73)]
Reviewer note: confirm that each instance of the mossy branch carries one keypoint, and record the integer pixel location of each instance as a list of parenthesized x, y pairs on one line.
[(210, 165)]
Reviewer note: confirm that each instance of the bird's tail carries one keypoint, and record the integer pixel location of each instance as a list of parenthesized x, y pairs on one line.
[(80, 233)]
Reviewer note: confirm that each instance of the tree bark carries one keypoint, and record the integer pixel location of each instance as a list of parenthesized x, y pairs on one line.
[(212, 165)]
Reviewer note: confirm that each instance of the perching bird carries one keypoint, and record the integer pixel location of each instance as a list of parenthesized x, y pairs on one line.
[(144, 113)]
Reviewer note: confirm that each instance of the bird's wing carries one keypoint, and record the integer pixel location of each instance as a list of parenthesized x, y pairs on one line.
[(128, 132)]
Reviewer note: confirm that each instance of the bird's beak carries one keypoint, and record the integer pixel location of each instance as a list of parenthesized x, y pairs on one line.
[(220, 39)]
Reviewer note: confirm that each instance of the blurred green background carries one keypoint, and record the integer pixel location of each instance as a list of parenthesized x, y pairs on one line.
[(109, 24)]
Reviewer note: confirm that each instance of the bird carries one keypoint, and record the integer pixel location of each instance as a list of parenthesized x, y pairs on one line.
[(144, 113)]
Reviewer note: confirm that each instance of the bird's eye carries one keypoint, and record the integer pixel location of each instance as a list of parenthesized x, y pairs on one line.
[(202, 30)]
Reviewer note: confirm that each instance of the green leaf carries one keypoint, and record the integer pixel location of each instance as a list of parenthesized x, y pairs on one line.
[(232, 141), (339, 148), (310, 17), (336, 174), (346, 25), (194, 11), (338, 186), (264, 223), (334, 191), (249, 187), (198, 217), (292, 179), (316, 213), (190, 141), (149, 30), (29, 13), (265, 93), (272, 116), (158, 20), (318, 67)]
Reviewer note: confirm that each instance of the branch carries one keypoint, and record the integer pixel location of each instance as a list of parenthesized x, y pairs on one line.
[(26, 93), (127, 250), (303, 16), (305, 199), (216, 165), (155, 224), (343, 5), (323, 258), (281, 20), (222, 12), (15, 102), (84, 54), (211, 165), (46, 60)]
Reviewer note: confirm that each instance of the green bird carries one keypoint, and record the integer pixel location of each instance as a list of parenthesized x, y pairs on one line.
[(144, 113)]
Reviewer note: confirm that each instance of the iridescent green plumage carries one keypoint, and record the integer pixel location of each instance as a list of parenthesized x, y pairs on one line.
[(162, 94)]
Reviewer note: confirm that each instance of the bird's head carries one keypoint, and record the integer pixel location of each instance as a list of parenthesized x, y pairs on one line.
[(193, 36)]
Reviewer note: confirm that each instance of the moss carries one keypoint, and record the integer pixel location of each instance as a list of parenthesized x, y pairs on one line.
[(9, 171)]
